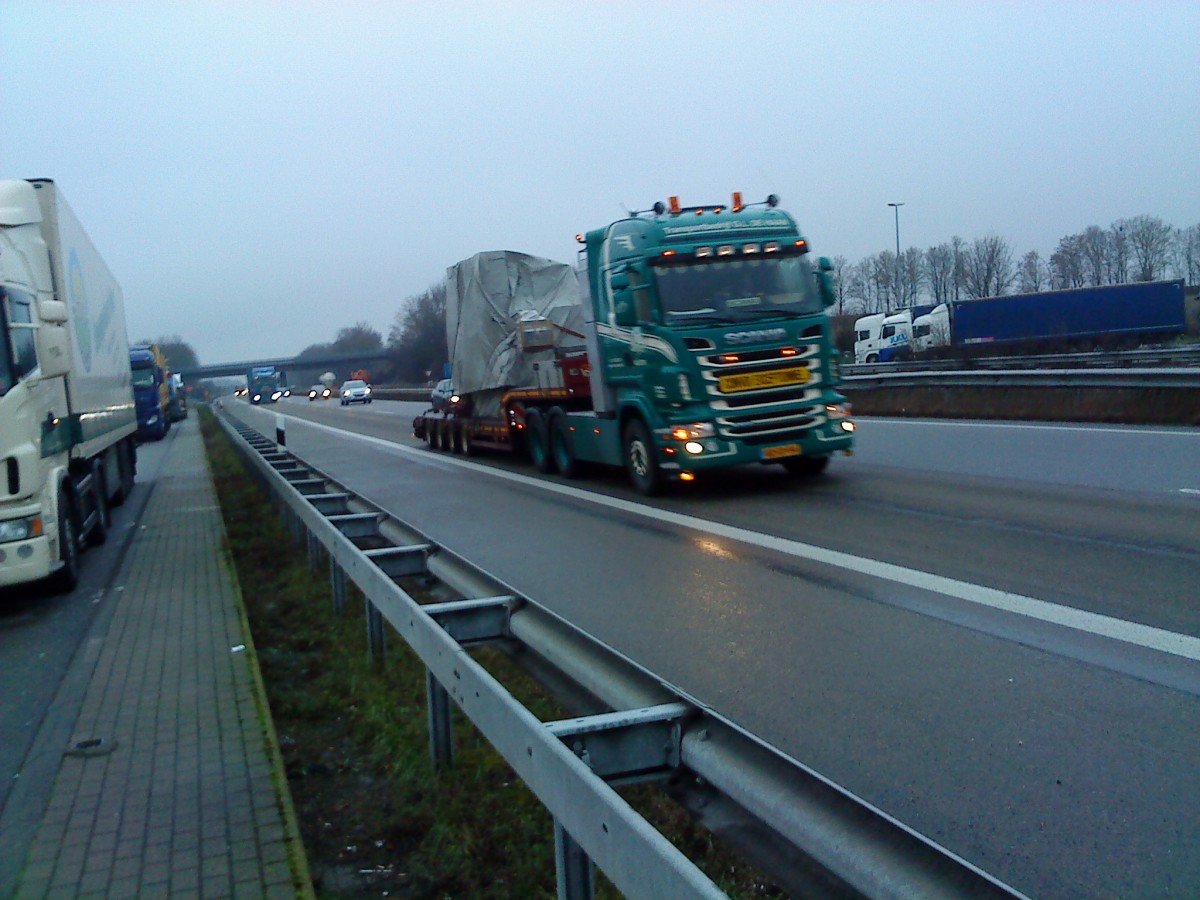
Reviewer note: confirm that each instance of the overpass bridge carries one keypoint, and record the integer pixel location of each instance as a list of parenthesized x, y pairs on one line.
[(359, 359)]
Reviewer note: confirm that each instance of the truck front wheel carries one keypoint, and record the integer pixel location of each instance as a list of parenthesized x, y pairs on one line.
[(537, 436), (641, 461), (561, 448), (67, 577)]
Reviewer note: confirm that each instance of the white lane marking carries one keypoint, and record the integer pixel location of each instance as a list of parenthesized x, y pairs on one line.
[(1093, 623), (1189, 491), (1181, 431)]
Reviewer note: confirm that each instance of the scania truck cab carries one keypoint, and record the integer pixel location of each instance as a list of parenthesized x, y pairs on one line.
[(709, 344)]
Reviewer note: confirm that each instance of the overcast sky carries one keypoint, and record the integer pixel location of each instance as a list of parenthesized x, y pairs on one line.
[(260, 174)]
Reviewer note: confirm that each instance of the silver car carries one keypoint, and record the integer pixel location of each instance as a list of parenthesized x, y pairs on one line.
[(355, 392)]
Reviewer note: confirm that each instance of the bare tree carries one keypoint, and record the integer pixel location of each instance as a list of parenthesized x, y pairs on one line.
[(1032, 274), (1187, 254), (1093, 248), (989, 267), (1066, 263), (1118, 254), (939, 272), (417, 338), (840, 287), (912, 275), (1150, 240)]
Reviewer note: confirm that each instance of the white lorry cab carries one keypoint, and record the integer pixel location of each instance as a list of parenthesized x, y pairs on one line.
[(67, 420), (931, 330), (867, 343)]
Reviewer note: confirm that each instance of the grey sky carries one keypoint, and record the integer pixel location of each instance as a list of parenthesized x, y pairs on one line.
[(259, 174)]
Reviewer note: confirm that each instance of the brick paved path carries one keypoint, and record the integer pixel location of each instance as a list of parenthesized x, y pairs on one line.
[(184, 802)]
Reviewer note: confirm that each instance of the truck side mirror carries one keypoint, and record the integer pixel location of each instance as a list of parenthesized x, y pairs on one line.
[(825, 281), (53, 351), (625, 312)]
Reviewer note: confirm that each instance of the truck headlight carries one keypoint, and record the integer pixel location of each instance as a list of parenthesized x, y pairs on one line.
[(693, 432), (20, 529), (694, 447)]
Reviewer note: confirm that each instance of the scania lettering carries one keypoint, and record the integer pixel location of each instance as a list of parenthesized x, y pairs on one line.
[(67, 420), (686, 339)]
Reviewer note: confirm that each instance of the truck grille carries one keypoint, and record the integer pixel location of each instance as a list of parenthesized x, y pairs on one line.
[(770, 414)]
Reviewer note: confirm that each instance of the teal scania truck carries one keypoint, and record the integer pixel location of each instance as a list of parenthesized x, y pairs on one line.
[(686, 339)]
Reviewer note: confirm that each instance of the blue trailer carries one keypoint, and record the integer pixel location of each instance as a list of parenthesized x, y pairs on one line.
[(1058, 320)]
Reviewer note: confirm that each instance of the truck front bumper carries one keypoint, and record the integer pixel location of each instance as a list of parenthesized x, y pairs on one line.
[(25, 561), (678, 456)]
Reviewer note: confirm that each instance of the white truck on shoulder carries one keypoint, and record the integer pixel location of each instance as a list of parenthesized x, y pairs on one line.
[(67, 419)]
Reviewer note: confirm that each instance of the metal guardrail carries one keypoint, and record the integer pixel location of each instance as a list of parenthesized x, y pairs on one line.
[(1186, 357), (1173, 378), (650, 731)]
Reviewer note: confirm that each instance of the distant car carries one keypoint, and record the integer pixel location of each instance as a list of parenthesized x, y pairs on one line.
[(355, 391), (319, 392), (443, 395)]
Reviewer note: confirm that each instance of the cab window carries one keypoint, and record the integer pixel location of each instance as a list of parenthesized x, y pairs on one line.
[(20, 320)]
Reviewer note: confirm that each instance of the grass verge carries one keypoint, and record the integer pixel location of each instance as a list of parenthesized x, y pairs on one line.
[(375, 818)]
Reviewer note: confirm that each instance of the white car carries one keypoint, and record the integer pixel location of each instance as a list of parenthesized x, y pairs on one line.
[(443, 396), (355, 392)]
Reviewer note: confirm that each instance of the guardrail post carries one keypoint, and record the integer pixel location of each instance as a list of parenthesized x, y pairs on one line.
[(374, 631), (314, 552), (441, 734), (337, 584), (576, 873)]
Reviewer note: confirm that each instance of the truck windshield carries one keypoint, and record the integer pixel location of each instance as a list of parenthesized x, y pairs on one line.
[(143, 378), (736, 289)]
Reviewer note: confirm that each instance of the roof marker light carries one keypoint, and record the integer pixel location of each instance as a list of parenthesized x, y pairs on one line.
[(704, 251), (725, 250), (668, 253), (750, 248), (772, 247), (802, 245), (674, 201), (737, 201)]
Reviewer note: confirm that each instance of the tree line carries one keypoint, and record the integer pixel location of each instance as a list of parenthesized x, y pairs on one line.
[(1142, 248)]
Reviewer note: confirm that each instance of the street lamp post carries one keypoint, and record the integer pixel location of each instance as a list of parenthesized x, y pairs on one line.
[(896, 207)]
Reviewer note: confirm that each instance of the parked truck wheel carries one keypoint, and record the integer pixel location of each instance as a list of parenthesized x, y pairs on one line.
[(561, 449), (641, 462), (99, 533), (125, 467), (537, 437), (67, 577), (806, 466)]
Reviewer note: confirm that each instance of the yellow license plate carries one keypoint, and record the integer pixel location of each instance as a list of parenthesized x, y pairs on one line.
[(781, 451), (753, 381)]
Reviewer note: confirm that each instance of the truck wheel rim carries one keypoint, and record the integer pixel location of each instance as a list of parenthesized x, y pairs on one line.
[(638, 458)]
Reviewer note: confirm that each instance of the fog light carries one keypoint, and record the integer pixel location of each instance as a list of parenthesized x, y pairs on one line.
[(694, 447), (848, 426), (686, 476)]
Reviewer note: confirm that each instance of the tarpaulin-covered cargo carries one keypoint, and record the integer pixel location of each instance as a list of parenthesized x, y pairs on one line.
[(506, 313)]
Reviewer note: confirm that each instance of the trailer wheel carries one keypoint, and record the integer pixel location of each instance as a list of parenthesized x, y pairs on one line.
[(67, 577), (456, 436), (641, 461), (468, 442), (806, 466), (538, 439), (561, 448)]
